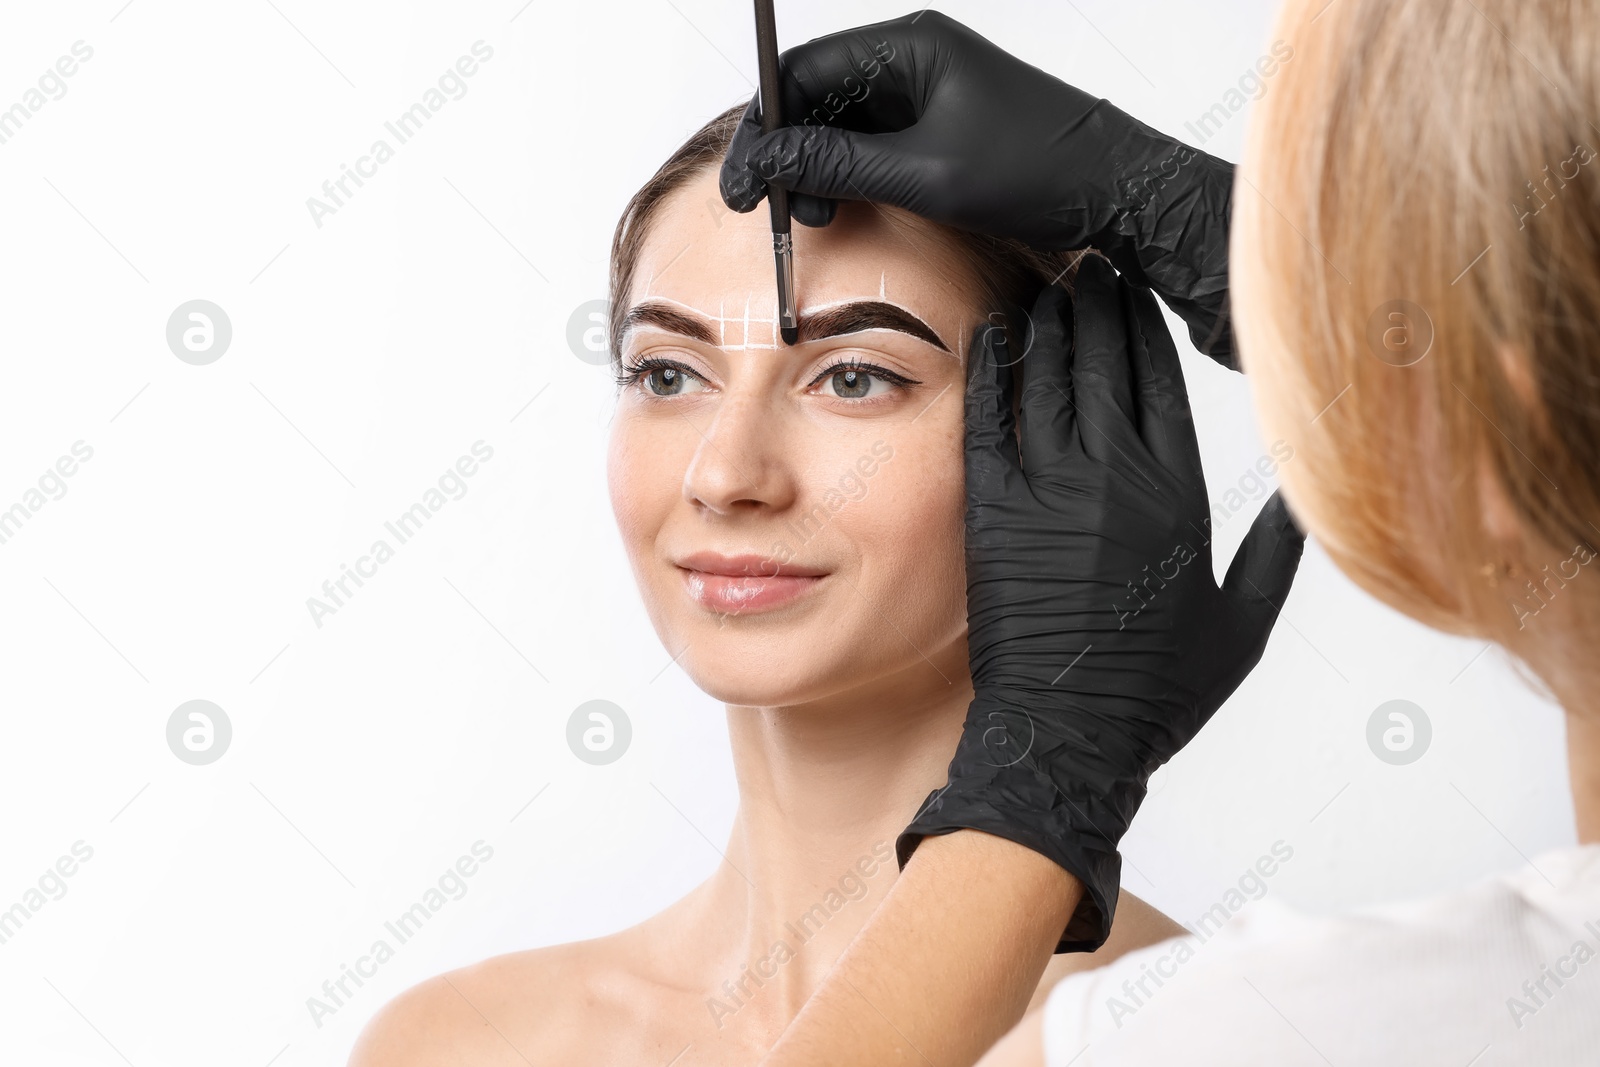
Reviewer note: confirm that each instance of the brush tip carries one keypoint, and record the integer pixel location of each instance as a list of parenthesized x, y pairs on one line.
[(791, 334)]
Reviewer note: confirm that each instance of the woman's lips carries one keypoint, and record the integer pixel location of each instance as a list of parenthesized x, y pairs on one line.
[(738, 594), (744, 583)]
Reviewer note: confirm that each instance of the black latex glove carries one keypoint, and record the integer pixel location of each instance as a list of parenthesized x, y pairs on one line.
[(1099, 640), (924, 113)]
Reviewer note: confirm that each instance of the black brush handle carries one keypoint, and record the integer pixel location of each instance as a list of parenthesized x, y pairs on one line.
[(767, 67)]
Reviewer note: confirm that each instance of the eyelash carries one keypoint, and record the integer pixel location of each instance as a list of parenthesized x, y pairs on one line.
[(639, 369)]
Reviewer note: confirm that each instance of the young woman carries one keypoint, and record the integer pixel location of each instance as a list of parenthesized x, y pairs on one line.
[(794, 519)]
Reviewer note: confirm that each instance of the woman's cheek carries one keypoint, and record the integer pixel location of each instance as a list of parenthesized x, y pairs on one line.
[(634, 478), (942, 476), (917, 505)]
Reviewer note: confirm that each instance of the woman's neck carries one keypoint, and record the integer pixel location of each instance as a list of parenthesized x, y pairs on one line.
[(1571, 676), (824, 790), (1583, 764)]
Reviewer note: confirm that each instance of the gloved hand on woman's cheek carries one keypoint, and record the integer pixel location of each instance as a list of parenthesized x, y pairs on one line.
[(1099, 640)]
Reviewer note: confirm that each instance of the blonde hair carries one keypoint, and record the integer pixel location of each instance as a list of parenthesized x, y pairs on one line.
[(1416, 293)]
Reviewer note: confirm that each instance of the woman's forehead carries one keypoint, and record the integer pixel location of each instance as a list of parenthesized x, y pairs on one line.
[(701, 254)]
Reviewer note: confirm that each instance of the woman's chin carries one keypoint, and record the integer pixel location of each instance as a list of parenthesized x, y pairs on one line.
[(753, 686), (748, 692)]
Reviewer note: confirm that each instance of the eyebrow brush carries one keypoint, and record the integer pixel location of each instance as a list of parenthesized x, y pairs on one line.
[(778, 199)]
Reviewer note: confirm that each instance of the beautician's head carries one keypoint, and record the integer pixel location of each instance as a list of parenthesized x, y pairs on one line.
[(1442, 155), (733, 443)]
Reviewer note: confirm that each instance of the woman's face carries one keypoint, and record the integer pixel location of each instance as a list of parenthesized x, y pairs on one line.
[(830, 501)]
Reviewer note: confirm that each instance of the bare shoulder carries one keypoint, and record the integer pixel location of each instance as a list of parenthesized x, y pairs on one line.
[(521, 1007), (427, 1023)]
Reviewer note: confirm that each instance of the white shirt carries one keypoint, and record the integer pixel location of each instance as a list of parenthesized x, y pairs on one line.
[(1504, 973)]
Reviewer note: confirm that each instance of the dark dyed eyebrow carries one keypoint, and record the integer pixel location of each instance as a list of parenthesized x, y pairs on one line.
[(865, 315), (666, 317), (834, 321)]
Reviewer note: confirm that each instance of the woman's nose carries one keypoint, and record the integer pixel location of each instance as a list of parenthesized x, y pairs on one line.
[(742, 460)]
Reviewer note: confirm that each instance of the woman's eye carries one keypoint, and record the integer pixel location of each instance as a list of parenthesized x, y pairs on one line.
[(861, 383), (844, 381), (667, 379)]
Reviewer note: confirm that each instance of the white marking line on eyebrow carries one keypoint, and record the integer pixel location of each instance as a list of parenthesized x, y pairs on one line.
[(721, 318), (883, 277)]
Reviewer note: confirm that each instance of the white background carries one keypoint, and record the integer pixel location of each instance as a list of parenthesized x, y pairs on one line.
[(429, 312)]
